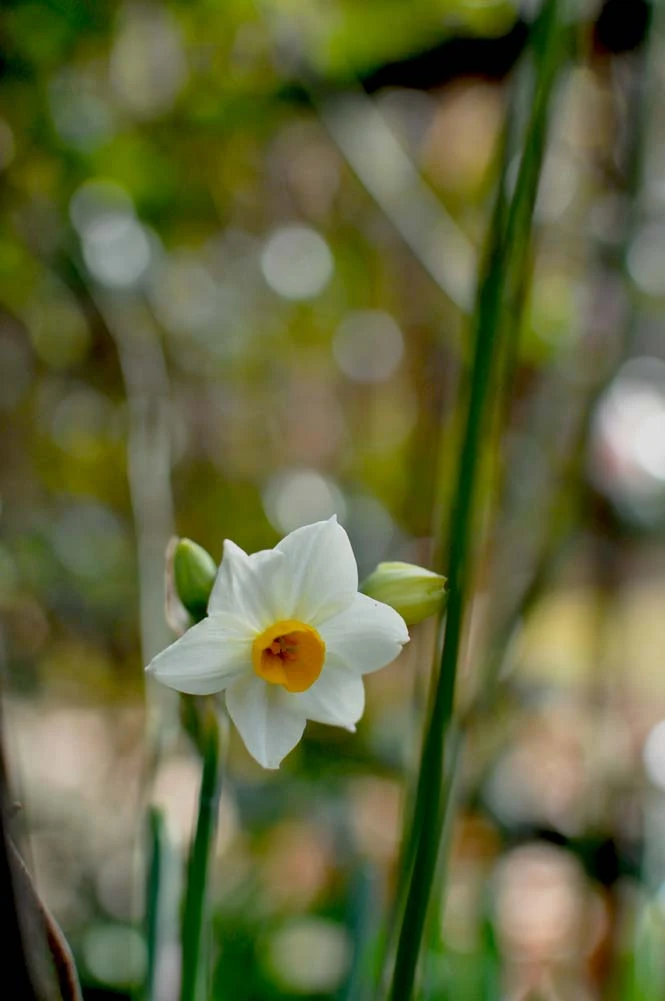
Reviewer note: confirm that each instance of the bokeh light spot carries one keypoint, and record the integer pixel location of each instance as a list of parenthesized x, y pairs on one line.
[(628, 445), (116, 251), (115, 954), (301, 496), (148, 67), (368, 346), (296, 262), (96, 200), (309, 955)]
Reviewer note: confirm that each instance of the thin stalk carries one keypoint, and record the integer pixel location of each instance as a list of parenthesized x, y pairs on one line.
[(434, 930), (497, 226), (505, 250), (416, 800), (195, 964), (409, 841), (157, 844)]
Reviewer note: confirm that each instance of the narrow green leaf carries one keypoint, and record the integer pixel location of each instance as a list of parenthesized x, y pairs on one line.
[(156, 847), (507, 249)]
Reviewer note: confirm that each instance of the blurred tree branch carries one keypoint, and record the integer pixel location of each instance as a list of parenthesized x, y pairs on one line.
[(618, 26)]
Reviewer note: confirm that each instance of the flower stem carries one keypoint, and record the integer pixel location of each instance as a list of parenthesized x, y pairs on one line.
[(505, 260), (195, 971), (154, 892)]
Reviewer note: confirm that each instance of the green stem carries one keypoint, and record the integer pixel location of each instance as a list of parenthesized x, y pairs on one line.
[(157, 836), (504, 263), (194, 947), (413, 800)]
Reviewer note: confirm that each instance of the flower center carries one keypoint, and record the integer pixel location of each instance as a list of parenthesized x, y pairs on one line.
[(289, 653)]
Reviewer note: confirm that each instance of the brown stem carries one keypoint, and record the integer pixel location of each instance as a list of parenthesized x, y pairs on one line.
[(61, 954), (37, 964)]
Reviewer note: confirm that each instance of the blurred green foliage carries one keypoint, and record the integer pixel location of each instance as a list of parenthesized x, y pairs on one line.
[(210, 327)]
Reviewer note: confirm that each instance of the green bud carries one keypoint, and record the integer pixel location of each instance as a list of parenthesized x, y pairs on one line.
[(412, 591), (194, 572)]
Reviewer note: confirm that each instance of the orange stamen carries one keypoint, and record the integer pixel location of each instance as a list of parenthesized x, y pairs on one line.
[(289, 653)]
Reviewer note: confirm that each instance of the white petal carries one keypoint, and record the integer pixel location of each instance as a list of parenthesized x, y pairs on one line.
[(366, 636), (266, 717), (207, 658), (337, 697), (249, 586), (323, 570)]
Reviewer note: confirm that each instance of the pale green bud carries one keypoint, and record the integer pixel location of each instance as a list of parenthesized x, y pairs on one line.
[(412, 591), (194, 572)]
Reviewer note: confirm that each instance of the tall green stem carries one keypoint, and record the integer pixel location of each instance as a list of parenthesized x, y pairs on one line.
[(195, 962), (504, 265), (157, 839)]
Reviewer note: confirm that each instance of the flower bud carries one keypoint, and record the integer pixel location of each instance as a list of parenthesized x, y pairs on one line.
[(194, 572), (412, 591)]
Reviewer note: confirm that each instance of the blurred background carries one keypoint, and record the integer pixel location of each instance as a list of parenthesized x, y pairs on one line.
[(238, 247)]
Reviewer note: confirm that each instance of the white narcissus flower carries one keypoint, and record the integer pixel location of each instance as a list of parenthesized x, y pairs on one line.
[(288, 638)]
